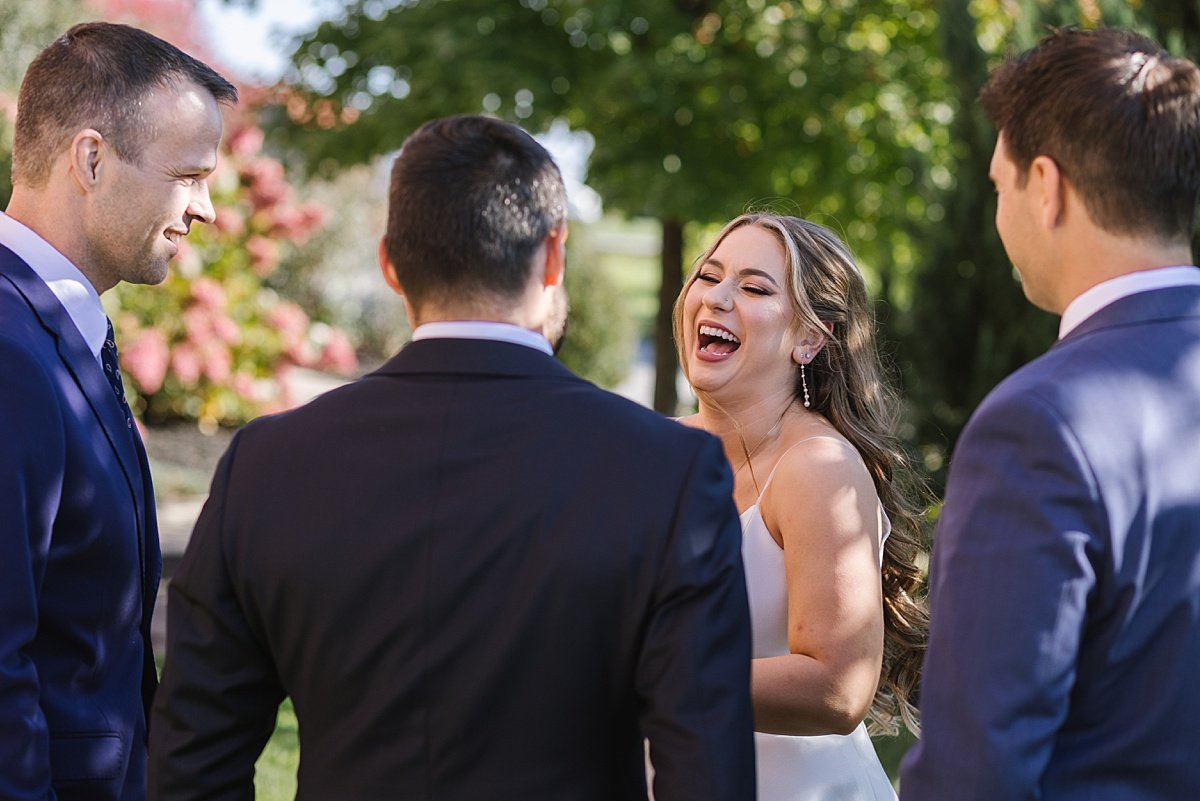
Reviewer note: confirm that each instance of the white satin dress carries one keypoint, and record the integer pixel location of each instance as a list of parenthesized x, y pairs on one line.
[(830, 767)]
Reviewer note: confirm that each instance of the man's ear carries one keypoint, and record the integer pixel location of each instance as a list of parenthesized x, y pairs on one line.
[(1050, 185), (556, 256), (389, 275), (388, 270), (89, 154)]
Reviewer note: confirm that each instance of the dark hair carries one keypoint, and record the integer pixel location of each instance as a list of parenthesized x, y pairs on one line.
[(1119, 115), (471, 200), (848, 387), (95, 76)]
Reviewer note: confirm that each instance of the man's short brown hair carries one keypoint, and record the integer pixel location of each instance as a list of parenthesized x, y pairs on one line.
[(472, 199), (1121, 118), (96, 76)]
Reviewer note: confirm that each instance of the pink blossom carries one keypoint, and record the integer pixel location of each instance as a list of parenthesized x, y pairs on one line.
[(186, 364), (145, 360), (209, 294), (226, 329), (267, 182), (187, 259), (197, 323), (302, 353), (245, 386), (264, 255), (284, 398), (218, 362), (297, 223), (292, 324), (289, 320), (338, 354), (230, 221), (246, 141)]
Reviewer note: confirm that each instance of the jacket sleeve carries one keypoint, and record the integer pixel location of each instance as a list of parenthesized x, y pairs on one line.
[(693, 674), (216, 706), (32, 448), (1011, 575)]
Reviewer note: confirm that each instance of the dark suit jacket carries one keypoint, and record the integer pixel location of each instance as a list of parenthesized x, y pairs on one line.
[(1065, 590), (478, 577), (79, 561)]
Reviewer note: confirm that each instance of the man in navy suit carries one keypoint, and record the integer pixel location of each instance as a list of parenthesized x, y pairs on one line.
[(475, 574), (116, 132), (1065, 629)]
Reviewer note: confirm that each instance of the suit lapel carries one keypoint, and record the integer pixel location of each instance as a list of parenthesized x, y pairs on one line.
[(83, 367)]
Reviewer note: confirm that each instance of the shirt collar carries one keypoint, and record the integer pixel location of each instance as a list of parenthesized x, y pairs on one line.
[(73, 290), (1107, 292), (483, 329)]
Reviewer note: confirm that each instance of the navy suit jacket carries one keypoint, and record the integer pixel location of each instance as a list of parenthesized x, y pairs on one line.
[(477, 576), (1065, 578), (79, 561)]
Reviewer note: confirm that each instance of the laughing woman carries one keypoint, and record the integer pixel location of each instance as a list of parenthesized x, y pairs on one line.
[(775, 337)]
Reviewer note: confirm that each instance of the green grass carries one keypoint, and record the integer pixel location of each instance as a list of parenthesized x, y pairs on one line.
[(275, 772), (891, 750)]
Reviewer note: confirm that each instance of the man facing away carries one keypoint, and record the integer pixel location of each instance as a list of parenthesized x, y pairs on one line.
[(475, 574), (1066, 567), (116, 132)]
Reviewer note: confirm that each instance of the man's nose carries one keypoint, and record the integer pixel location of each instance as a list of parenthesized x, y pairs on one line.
[(201, 207)]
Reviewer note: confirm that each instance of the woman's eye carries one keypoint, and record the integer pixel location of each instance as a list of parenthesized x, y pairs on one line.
[(755, 290), (708, 278)]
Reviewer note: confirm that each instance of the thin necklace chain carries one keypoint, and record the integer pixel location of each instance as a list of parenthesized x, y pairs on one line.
[(751, 453)]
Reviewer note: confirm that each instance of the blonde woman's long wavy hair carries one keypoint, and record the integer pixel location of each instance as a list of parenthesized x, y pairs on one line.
[(847, 385)]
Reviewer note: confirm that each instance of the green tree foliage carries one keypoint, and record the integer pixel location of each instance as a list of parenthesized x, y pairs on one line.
[(699, 107), (970, 324), (600, 343)]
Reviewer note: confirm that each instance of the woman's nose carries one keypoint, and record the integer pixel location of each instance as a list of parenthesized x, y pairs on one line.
[(718, 297)]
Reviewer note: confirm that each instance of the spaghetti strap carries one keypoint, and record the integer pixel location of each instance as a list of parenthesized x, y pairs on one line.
[(779, 461)]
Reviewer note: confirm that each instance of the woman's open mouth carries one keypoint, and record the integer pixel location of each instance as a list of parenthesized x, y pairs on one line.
[(717, 341)]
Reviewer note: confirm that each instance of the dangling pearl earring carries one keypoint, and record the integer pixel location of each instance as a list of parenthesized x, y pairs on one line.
[(804, 384)]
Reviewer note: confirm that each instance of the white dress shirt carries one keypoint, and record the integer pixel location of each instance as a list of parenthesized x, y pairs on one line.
[(73, 290), (1106, 292), (483, 329)]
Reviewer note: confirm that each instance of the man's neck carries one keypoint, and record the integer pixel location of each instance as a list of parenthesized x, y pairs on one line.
[(1106, 256), (42, 212)]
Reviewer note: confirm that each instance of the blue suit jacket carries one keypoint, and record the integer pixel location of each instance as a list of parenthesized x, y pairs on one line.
[(1065, 588), (79, 561), (478, 577)]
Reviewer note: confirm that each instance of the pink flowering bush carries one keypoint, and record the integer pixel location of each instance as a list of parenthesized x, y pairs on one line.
[(215, 343)]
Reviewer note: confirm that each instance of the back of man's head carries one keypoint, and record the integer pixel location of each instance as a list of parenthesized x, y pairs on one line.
[(1121, 118), (95, 76), (471, 200)]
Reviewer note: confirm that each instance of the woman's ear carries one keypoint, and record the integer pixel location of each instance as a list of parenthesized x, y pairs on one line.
[(808, 347)]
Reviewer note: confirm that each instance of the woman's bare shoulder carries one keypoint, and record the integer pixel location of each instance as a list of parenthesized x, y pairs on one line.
[(816, 470)]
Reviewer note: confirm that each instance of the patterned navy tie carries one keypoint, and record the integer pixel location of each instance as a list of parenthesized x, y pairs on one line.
[(108, 357)]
